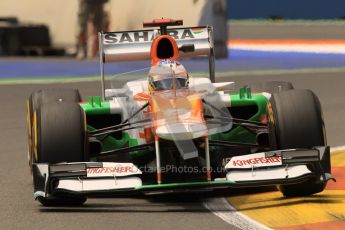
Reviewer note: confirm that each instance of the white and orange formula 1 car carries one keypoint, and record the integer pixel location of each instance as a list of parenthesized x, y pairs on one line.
[(171, 132)]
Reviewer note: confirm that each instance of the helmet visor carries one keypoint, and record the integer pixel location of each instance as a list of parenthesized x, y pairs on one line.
[(166, 84)]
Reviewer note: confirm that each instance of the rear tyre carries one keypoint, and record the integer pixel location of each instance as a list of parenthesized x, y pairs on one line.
[(295, 121), (60, 136)]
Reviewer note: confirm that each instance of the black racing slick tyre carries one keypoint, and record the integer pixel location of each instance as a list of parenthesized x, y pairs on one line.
[(39, 97), (295, 121), (50, 95), (60, 133), (60, 136), (271, 86)]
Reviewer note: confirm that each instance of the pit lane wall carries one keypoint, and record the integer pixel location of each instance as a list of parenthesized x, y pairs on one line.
[(61, 16)]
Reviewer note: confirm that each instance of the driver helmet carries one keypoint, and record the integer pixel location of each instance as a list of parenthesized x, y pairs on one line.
[(162, 74)]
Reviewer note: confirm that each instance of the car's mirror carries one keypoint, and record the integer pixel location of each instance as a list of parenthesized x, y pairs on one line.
[(187, 48)]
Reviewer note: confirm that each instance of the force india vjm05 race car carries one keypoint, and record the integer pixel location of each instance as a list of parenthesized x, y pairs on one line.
[(171, 132)]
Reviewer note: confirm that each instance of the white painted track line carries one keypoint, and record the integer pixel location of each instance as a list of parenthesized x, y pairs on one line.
[(338, 149), (223, 209)]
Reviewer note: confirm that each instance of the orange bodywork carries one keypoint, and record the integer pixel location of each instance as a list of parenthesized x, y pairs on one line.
[(182, 106), (171, 107)]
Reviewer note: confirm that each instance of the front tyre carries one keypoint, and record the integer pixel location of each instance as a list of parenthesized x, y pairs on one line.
[(295, 121), (60, 136), (34, 102)]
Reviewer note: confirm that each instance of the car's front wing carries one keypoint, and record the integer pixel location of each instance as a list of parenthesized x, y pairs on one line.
[(105, 178)]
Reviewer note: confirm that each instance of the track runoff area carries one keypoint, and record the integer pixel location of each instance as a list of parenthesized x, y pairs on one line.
[(267, 209)]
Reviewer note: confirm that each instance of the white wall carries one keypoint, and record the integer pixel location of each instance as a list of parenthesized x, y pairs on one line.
[(61, 15), (130, 15)]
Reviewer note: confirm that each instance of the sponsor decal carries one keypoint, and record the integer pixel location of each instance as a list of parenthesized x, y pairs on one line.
[(120, 169), (198, 30), (185, 34), (148, 36), (253, 160), (113, 169), (128, 37), (256, 161)]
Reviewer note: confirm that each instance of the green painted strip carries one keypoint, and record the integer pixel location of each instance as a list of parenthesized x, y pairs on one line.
[(238, 134), (95, 108), (111, 143), (47, 80)]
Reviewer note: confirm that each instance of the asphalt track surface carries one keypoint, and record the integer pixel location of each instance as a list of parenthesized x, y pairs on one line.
[(20, 211)]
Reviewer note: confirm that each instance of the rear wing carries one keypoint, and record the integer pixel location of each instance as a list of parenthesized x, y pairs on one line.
[(136, 45)]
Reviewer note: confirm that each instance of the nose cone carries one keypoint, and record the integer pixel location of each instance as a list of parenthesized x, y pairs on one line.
[(178, 115), (181, 131)]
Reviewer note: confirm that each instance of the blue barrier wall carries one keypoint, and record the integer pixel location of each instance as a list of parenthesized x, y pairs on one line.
[(289, 9)]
